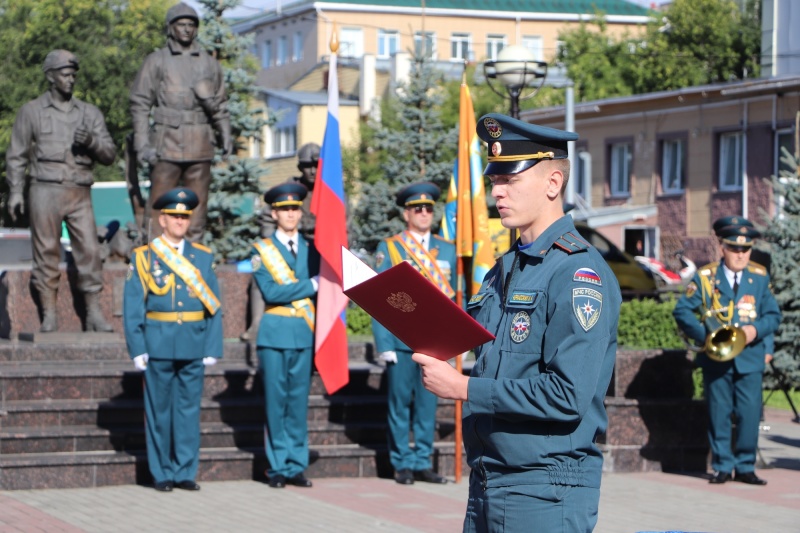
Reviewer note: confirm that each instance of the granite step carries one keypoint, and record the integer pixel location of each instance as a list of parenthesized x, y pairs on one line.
[(57, 380), (130, 438), (105, 468)]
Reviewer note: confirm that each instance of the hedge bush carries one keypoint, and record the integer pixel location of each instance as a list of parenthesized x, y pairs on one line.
[(643, 324)]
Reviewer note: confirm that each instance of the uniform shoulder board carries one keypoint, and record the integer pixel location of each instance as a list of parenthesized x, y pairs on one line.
[(571, 243), (709, 269), (755, 268), (440, 238), (140, 249), (201, 247)]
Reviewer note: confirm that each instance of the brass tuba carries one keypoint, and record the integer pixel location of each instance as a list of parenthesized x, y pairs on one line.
[(724, 340)]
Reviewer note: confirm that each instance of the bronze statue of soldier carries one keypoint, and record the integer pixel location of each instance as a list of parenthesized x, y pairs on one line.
[(56, 139), (183, 87)]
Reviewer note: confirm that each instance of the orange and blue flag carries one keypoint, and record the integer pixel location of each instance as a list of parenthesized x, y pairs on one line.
[(466, 216), (328, 204)]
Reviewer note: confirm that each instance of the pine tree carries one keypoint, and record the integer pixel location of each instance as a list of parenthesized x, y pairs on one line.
[(232, 220), (416, 146), (783, 232)]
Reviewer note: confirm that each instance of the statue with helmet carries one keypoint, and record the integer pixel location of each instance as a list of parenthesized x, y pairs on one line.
[(179, 110), (55, 142)]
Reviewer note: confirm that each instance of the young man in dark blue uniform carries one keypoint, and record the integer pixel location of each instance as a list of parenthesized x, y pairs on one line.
[(533, 404), (740, 290), (285, 269), (173, 327), (410, 405)]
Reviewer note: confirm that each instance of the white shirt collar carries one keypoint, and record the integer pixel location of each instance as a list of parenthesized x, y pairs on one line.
[(283, 238), (180, 246), (730, 275), (422, 238)]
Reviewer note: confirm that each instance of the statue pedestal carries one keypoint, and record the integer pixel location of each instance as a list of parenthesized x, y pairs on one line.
[(20, 318)]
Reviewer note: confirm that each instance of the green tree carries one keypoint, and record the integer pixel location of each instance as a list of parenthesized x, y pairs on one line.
[(417, 146), (232, 220), (783, 232), (110, 38), (692, 42)]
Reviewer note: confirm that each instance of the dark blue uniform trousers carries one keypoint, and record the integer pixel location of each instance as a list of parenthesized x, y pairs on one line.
[(172, 394), (728, 391), (405, 387), (546, 508), (287, 380)]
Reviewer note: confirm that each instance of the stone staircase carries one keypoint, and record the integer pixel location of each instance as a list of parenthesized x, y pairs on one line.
[(71, 415)]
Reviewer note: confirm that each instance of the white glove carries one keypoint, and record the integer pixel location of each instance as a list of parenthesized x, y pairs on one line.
[(140, 362), (389, 357), (315, 283), (209, 361)]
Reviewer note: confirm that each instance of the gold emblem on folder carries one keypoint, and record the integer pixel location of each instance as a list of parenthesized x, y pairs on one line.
[(401, 301)]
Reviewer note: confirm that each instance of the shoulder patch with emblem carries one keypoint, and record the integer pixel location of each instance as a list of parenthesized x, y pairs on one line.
[(587, 275), (587, 305)]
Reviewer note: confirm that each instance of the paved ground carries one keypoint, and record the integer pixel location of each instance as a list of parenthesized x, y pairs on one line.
[(629, 503)]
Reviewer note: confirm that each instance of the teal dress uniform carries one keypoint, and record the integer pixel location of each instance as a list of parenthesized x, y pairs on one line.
[(411, 406), (733, 387), (535, 406), (165, 317), (285, 344)]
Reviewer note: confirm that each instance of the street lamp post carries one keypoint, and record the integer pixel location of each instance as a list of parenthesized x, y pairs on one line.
[(517, 70)]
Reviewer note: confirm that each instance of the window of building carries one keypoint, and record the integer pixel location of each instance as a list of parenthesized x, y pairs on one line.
[(284, 141), (582, 176), (620, 178), (673, 156), (283, 53), (784, 139), (388, 43), (351, 42), (460, 45), (297, 47), (494, 43), (731, 157), (534, 44), (425, 42), (266, 54)]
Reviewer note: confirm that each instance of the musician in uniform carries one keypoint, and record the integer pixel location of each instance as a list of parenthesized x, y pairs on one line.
[(533, 403), (173, 328), (286, 270), (737, 290), (410, 405)]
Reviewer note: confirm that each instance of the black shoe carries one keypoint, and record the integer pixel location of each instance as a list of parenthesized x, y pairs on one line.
[(299, 481), (187, 485), (719, 478), (404, 477), (163, 486), (277, 481), (750, 478), (429, 476)]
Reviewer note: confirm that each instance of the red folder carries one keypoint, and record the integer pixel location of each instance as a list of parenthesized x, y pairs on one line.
[(412, 308)]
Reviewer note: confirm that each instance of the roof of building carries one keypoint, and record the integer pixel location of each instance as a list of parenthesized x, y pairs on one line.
[(615, 10)]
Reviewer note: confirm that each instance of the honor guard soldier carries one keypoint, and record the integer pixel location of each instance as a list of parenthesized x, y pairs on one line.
[(739, 290), (57, 139), (411, 407), (173, 328), (533, 403), (286, 268)]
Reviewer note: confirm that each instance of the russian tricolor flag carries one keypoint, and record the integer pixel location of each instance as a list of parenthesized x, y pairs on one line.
[(328, 204)]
